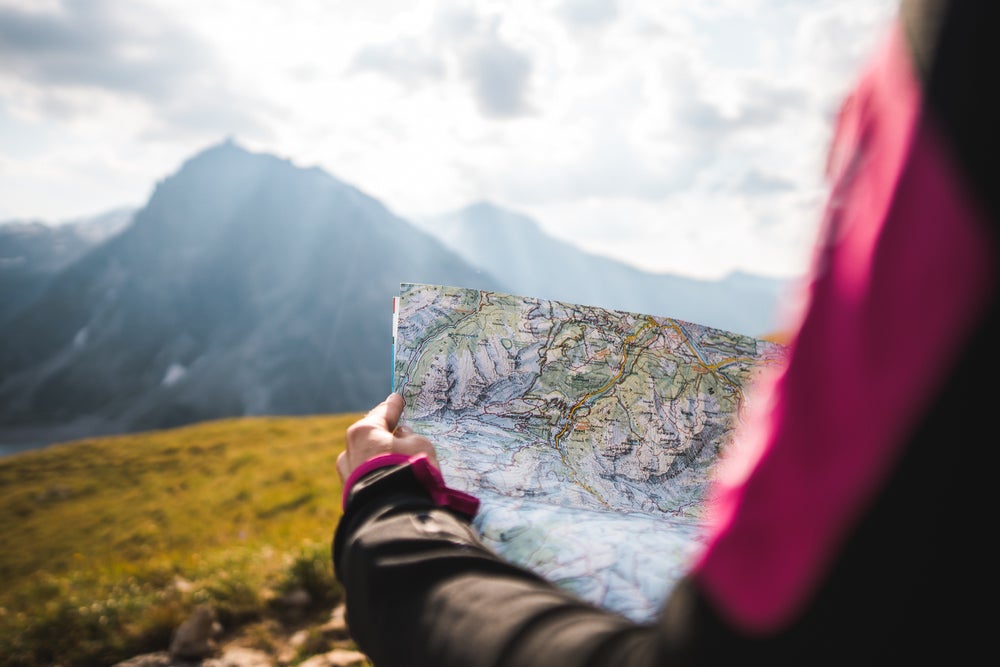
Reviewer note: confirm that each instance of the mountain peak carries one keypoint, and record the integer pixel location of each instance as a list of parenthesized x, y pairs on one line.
[(226, 150), (486, 213), (483, 207)]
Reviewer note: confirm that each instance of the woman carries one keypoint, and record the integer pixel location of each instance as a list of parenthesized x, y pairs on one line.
[(844, 529)]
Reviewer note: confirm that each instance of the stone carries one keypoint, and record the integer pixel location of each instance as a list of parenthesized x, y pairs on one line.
[(240, 657), (336, 627), (337, 658), (296, 599), (195, 638), (158, 659), (233, 657)]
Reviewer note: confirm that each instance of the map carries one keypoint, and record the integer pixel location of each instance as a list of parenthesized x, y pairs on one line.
[(589, 435)]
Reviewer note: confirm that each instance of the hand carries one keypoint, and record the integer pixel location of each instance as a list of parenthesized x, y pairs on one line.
[(377, 433)]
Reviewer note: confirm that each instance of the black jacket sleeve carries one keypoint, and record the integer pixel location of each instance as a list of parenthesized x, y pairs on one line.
[(423, 590)]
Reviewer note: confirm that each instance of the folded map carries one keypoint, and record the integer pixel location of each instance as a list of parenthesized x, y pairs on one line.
[(589, 435)]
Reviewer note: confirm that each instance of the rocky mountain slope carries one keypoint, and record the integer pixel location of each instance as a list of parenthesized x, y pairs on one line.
[(245, 286)]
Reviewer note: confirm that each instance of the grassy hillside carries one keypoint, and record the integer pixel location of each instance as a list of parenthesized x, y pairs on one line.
[(108, 543)]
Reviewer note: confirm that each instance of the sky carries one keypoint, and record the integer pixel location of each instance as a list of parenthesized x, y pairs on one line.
[(679, 136)]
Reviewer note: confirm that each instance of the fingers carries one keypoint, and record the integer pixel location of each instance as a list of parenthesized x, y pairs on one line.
[(382, 418), (393, 410), (343, 466), (379, 432), (372, 435), (386, 414)]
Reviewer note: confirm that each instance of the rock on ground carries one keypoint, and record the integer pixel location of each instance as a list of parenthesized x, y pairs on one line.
[(234, 657), (336, 658)]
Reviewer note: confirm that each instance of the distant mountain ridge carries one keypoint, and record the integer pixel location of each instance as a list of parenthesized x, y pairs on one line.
[(249, 286), (514, 248), (31, 252)]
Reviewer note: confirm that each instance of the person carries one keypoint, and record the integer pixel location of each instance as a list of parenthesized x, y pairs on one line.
[(851, 525)]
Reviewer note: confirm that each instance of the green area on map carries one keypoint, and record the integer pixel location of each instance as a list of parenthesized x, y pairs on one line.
[(588, 434)]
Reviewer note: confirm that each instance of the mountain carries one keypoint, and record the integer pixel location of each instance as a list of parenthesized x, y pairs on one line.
[(514, 248), (31, 252), (245, 286), (248, 285)]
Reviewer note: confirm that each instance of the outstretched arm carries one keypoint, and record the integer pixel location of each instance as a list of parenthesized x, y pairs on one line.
[(423, 590)]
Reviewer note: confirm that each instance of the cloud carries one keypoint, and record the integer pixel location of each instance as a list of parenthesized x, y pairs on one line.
[(403, 60), (458, 45), (499, 76), (63, 62), (834, 39), (453, 22), (756, 183), (681, 121), (99, 44), (589, 13)]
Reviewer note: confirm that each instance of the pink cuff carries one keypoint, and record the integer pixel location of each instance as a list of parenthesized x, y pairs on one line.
[(428, 476)]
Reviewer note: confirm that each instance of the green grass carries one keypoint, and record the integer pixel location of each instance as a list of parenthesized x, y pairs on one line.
[(109, 543)]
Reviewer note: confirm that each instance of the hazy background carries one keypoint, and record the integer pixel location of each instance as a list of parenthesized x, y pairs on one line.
[(678, 136)]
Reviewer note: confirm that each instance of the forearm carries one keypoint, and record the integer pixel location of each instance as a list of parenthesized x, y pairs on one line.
[(422, 590)]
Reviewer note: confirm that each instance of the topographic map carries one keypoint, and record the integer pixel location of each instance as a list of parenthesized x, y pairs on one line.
[(588, 434)]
